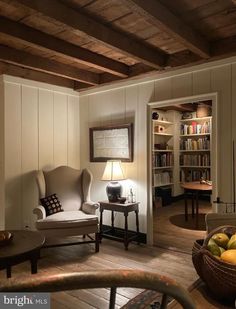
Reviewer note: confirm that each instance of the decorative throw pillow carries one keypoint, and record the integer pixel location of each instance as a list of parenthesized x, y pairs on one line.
[(51, 204)]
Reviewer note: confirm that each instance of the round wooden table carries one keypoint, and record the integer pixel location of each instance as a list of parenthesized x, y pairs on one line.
[(24, 246), (194, 188)]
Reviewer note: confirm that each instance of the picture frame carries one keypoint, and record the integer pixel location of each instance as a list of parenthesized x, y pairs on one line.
[(111, 143)]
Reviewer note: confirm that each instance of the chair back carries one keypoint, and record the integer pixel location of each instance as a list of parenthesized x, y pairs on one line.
[(67, 183)]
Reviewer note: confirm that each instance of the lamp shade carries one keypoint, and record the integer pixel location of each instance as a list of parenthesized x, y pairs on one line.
[(113, 171)]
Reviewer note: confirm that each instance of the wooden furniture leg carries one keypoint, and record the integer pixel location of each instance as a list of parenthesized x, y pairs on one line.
[(197, 209), (186, 205), (126, 232), (101, 215), (137, 226)]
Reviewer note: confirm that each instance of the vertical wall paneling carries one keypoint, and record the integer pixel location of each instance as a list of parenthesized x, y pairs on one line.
[(60, 128), (84, 130), (13, 193), (221, 83), (42, 131), (118, 106), (145, 93), (221, 80), (201, 82), (73, 132), (46, 120), (2, 182), (163, 89), (95, 115), (130, 170), (181, 85), (29, 151)]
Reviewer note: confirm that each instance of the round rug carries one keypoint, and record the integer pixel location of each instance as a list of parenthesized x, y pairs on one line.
[(179, 220)]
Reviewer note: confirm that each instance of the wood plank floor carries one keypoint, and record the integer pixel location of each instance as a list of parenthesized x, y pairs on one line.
[(167, 235), (112, 255)]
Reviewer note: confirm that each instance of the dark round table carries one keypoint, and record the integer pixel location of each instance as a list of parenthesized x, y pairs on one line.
[(24, 246)]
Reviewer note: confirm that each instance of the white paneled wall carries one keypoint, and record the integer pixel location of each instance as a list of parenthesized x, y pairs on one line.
[(128, 103), (41, 132)]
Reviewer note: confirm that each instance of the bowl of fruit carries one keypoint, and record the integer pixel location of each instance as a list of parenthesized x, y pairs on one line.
[(5, 238), (215, 261)]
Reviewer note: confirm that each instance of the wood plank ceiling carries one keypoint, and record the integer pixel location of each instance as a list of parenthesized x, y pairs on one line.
[(85, 43)]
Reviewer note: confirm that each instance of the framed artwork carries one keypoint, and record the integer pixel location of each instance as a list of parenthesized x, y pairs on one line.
[(111, 143)]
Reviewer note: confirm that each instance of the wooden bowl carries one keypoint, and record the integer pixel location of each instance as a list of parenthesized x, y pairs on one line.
[(219, 276), (5, 238)]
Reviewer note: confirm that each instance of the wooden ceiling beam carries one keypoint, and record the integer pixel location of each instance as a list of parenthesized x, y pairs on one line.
[(22, 58), (65, 49), (165, 20), (98, 31), (10, 69)]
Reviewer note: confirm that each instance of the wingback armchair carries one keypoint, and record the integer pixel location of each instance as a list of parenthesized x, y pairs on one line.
[(78, 216), (214, 220)]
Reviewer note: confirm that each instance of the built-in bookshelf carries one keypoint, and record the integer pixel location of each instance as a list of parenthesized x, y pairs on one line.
[(162, 150), (195, 149)]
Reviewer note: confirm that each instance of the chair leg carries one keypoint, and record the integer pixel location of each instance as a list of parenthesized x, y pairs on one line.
[(97, 241)]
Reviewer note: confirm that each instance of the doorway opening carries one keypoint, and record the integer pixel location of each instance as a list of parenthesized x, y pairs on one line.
[(182, 152)]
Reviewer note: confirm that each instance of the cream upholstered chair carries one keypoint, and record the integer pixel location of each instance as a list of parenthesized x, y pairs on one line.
[(78, 216), (214, 220)]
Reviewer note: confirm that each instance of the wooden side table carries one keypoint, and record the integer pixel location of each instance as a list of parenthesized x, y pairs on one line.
[(125, 209), (194, 188)]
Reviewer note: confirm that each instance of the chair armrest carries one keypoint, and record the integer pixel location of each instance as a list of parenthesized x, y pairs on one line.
[(90, 207), (40, 212)]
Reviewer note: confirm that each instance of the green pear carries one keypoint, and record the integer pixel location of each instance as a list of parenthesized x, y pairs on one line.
[(221, 239), (213, 248), (231, 241)]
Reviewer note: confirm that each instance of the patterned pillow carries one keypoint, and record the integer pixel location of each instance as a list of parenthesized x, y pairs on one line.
[(51, 204)]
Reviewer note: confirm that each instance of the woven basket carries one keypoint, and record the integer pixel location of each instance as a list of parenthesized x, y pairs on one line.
[(219, 276)]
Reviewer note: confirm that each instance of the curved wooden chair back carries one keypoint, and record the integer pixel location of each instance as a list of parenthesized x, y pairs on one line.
[(102, 279)]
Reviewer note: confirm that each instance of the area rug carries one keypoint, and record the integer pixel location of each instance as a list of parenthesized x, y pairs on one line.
[(145, 300), (179, 220)]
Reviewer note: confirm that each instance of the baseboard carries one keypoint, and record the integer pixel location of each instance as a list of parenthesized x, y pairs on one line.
[(120, 231)]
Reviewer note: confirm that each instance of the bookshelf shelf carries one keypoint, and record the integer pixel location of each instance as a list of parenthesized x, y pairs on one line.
[(196, 150), (190, 135), (162, 150), (162, 134), (197, 119), (162, 167), (195, 166), (162, 122)]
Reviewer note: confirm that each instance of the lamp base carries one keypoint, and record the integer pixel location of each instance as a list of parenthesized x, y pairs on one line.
[(114, 191)]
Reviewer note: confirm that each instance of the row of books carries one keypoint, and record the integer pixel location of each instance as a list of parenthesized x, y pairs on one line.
[(160, 179), (195, 128), (193, 175), (195, 160), (162, 159), (195, 144)]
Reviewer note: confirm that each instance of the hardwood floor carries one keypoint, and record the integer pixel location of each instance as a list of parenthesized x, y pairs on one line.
[(176, 265), (173, 237)]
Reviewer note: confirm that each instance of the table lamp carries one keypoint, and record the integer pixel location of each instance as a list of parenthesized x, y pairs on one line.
[(113, 172)]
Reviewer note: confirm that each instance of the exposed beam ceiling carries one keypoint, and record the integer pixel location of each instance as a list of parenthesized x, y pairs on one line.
[(10, 69), (17, 57), (47, 42), (98, 31), (160, 16)]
